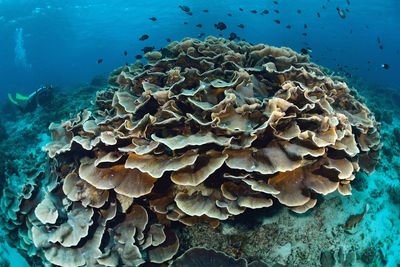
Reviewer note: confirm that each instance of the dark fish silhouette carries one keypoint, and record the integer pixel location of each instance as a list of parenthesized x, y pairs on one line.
[(341, 13), (385, 66), (381, 47), (304, 34), (348, 2), (347, 10), (304, 51), (199, 25), (220, 26), (189, 13), (298, 11), (241, 9), (147, 49), (275, 2), (99, 61), (276, 11), (253, 11), (232, 36), (265, 12), (241, 26), (319, 15), (220, 34), (201, 35), (288, 27), (205, 10), (185, 23), (323, 7), (125, 53), (153, 18), (379, 40), (305, 26), (138, 57), (277, 21), (168, 40), (229, 14), (185, 8), (144, 37)]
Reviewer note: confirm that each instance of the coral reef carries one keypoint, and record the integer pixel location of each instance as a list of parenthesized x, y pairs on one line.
[(203, 132)]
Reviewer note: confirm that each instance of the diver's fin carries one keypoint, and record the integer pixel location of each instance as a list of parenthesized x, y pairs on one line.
[(12, 100), (21, 97)]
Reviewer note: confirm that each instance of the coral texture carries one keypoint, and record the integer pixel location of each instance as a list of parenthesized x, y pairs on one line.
[(200, 134)]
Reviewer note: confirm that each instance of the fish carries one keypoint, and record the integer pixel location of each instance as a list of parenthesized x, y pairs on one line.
[(147, 49), (125, 53), (299, 11), (253, 11), (276, 11), (185, 8), (241, 9), (304, 34), (265, 12), (341, 13), (305, 26), (347, 10), (205, 10), (201, 35), (353, 220), (379, 40), (348, 2), (277, 21), (153, 18), (199, 25), (99, 60), (229, 15), (305, 51), (220, 34), (381, 47), (220, 26), (232, 36), (168, 40), (185, 22), (144, 37), (241, 26), (139, 57), (288, 27), (276, 2), (189, 13), (319, 15)]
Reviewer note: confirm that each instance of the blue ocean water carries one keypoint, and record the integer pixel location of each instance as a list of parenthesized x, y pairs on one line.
[(62, 40), (67, 43)]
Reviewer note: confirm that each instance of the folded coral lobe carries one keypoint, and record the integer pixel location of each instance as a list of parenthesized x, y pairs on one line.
[(203, 132)]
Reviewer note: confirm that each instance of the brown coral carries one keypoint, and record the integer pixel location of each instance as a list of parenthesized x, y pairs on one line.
[(203, 132)]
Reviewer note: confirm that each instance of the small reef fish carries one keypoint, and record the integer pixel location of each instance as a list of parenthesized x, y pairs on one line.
[(306, 50), (265, 12), (319, 15), (241, 26), (125, 53), (298, 11), (348, 2), (276, 11), (232, 36), (304, 34), (241, 9), (288, 27), (276, 2), (229, 15), (378, 40), (220, 26), (144, 37), (99, 61), (185, 8), (277, 21), (253, 11), (199, 25), (168, 40), (185, 23), (341, 13), (153, 18), (201, 34), (305, 26), (205, 10), (139, 57), (385, 66), (353, 220), (147, 49)]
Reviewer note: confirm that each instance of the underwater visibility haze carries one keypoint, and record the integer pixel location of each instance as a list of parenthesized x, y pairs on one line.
[(200, 133)]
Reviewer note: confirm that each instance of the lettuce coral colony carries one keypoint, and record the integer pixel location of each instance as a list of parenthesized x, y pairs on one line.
[(201, 133)]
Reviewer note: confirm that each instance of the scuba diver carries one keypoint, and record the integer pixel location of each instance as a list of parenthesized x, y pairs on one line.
[(43, 96)]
